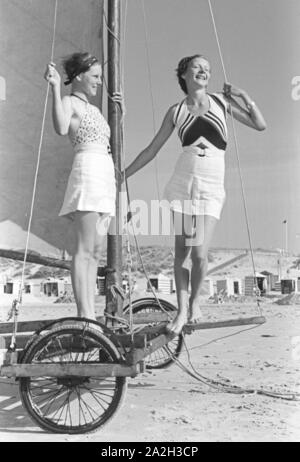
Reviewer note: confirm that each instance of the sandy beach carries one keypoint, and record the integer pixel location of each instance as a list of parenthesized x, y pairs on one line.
[(170, 406)]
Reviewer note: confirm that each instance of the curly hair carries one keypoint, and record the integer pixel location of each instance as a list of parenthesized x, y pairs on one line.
[(182, 68), (77, 63)]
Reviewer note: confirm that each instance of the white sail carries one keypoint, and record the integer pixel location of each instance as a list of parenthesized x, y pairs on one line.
[(25, 48)]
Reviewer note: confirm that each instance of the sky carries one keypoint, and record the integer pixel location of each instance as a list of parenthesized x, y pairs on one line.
[(259, 41)]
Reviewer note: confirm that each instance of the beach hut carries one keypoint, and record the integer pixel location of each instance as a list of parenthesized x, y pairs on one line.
[(161, 283), (12, 287), (53, 287), (2, 286), (250, 284), (289, 285), (100, 285), (34, 288), (207, 287), (230, 286), (68, 290), (271, 280), (277, 287)]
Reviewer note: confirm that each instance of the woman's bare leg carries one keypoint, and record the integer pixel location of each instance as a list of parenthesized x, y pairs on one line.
[(85, 230), (181, 273), (204, 226), (100, 235)]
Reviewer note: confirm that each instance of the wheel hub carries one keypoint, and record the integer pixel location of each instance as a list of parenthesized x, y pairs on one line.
[(71, 381)]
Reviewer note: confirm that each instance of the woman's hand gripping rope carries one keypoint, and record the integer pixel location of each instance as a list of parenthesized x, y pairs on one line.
[(51, 75)]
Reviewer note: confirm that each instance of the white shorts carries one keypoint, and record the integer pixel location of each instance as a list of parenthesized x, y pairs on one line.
[(91, 184), (197, 184)]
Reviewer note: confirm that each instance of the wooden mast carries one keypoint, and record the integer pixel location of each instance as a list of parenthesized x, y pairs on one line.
[(114, 239)]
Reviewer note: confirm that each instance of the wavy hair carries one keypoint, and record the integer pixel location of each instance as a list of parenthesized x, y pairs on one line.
[(182, 68), (77, 63)]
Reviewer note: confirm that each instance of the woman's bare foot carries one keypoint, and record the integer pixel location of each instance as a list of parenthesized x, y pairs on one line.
[(195, 314), (176, 326)]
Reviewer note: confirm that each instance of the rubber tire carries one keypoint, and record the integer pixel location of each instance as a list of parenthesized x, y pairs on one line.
[(144, 304), (25, 382)]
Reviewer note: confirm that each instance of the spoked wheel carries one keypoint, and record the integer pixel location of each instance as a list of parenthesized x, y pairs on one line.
[(74, 404), (163, 357)]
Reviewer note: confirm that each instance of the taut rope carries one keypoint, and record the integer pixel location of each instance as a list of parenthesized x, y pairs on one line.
[(14, 312)]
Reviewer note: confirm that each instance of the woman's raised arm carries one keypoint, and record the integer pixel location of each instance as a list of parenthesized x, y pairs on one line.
[(250, 115), (156, 144), (61, 108)]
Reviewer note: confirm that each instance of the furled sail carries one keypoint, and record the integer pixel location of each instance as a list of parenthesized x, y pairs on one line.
[(25, 49)]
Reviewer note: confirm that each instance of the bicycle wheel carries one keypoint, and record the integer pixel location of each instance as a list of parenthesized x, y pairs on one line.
[(163, 357), (72, 404)]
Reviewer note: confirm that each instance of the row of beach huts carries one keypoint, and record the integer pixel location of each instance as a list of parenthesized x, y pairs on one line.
[(50, 287), (266, 283)]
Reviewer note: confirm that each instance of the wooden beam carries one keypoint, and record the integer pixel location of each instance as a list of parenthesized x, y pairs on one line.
[(189, 328), (139, 354), (138, 340), (23, 326), (67, 369), (149, 318), (114, 239), (32, 326), (21, 340), (35, 258), (163, 318)]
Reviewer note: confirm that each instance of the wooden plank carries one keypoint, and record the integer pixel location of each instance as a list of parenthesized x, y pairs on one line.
[(226, 323), (32, 326), (21, 340), (142, 318), (35, 258), (67, 370), (139, 354), (163, 318), (23, 326), (139, 341), (148, 318)]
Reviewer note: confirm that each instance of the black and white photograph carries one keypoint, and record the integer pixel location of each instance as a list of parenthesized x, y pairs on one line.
[(149, 223)]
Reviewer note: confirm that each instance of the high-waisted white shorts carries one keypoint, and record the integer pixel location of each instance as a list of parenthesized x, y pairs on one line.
[(197, 184), (91, 184)]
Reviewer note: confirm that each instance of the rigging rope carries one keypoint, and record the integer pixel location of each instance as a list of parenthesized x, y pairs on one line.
[(118, 100), (154, 129), (151, 89), (195, 374), (15, 308), (223, 387), (234, 134), (237, 158)]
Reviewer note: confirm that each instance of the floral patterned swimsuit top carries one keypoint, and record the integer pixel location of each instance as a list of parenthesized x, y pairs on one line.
[(93, 128)]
